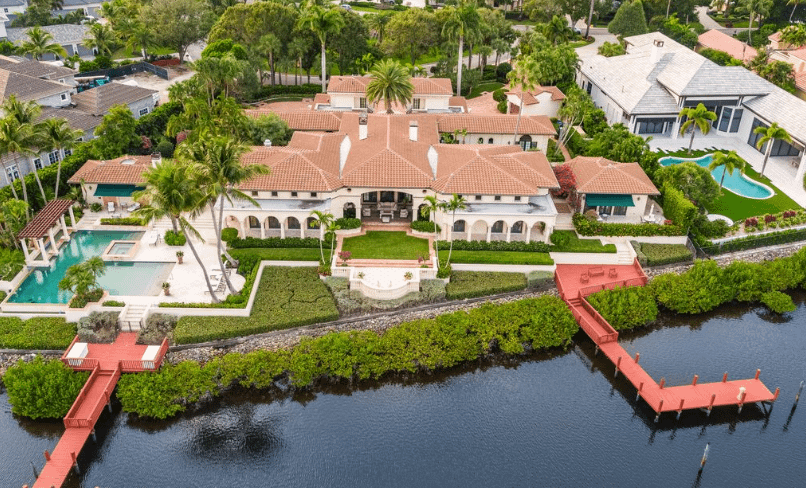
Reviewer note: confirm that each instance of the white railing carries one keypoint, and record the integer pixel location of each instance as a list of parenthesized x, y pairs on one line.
[(377, 293)]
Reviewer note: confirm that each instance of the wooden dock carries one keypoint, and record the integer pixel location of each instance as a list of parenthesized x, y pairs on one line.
[(575, 282), (106, 363)]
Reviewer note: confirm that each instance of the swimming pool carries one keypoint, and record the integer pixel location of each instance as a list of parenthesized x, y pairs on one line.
[(734, 182), (121, 277)]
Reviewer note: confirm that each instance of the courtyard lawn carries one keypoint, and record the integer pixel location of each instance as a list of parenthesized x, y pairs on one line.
[(739, 208), (575, 244), (286, 297), (498, 257), (385, 245), (489, 86)]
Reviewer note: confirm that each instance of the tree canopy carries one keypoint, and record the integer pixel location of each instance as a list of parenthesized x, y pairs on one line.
[(629, 20)]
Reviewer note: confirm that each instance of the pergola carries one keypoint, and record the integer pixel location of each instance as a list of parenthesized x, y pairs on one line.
[(42, 226)]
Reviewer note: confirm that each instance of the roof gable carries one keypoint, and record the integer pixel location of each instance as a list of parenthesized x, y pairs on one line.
[(601, 175), (98, 101)]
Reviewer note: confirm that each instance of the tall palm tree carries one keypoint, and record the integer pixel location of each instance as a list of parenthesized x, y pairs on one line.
[(140, 36), (39, 43), (391, 83), (523, 74), (755, 9), (57, 135), (795, 3), (377, 24), (457, 202), (699, 117), (220, 173), (14, 140), (322, 22), (101, 37), (321, 220), (24, 115), (172, 189), (430, 208), (462, 20), (731, 161), (768, 136)]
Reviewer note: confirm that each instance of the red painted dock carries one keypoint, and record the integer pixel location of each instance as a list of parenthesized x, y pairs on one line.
[(106, 363), (575, 282)]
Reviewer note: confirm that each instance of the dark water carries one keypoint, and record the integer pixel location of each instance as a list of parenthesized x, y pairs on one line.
[(554, 420)]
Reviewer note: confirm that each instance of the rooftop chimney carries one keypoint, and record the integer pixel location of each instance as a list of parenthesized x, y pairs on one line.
[(413, 130), (655, 56), (267, 143), (156, 158), (362, 127)]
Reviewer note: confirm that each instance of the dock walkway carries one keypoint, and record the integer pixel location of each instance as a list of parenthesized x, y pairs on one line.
[(575, 282)]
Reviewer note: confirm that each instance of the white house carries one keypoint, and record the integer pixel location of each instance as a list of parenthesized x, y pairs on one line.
[(543, 100), (431, 95), (646, 88)]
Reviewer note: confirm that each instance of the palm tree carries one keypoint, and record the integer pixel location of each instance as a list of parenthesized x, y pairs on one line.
[(457, 202), (14, 140), (140, 37), (322, 22), (794, 35), (321, 220), (391, 83), (57, 135), (24, 115), (768, 136), (220, 172), (377, 24), (795, 3), (101, 37), (270, 45), (699, 117), (429, 209), (462, 20), (731, 161), (522, 74), (755, 8), (172, 189), (39, 43), (557, 30)]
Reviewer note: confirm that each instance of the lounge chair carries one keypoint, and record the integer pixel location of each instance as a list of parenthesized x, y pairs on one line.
[(134, 206), (110, 207), (218, 283), (153, 238)]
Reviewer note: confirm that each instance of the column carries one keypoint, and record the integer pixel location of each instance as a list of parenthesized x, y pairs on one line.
[(489, 232), (64, 228), (528, 233), (282, 228), (509, 232), (547, 234), (262, 231), (42, 251), (25, 251), (72, 217), (53, 241)]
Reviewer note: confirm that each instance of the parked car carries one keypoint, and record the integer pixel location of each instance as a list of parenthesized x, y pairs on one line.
[(346, 7)]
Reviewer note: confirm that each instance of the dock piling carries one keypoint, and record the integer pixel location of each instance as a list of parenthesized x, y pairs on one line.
[(638, 394), (725, 377), (637, 357), (47, 455), (694, 381), (680, 409), (36, 473), (94, 439), (75, 462), (758, 372), (711, 404), (618, 365), (662, 382), (660, 407), (797, 397), (705, 456)]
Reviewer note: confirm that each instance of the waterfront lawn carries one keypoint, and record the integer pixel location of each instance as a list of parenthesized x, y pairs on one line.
[(385, 245), (286, 297), (470, 284), (36, 333), (499, 257), (575, 244), (739, 208)]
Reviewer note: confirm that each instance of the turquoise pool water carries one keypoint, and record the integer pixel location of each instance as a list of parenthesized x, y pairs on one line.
[(121, 277), (735, 182)]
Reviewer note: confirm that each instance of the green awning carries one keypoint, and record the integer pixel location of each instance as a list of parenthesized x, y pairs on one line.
[(606, 200), (116, 190)]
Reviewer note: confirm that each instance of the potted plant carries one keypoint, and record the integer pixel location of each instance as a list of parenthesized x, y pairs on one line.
[(166, 288), (179, 256), (361, 275), (407, 275)]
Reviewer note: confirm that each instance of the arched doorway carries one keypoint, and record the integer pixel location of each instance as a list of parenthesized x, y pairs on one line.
[(498, 232), (252, 226), (311, 227), (293, 227), (272, 227), (526, 142), (459, 230), (518, 231), (233, 223), (479, 231), (349, 210)]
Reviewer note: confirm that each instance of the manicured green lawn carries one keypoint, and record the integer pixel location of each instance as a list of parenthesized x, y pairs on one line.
[(286, 297), (385, 245), (124, 53), (498, 257), (484, 87), (575, 244), (281, 254)]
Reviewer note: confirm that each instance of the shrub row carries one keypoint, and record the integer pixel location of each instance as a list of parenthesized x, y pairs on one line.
[(275, 242), (175, 238), (661, 254), (36, 333), (122, 221), (345, 223), (626, 308), (471, 284), (462, 245), (422, 345), (501, 257), (303, 89), (753, 242), (424, 226), (42, 389), (588, 227), (286, 297)]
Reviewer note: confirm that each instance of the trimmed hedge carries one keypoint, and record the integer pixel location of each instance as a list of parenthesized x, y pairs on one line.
[(345, 223), (500, 257), (123, 221), (587, 227), (353, 301), (175, 238), (36, 333), (286, 297), (43, 389), (471, 284), (303, 89), (424, 226), (275, 242), (626, 308), (462, 245), (753, 242), (677, 207), (661, 254), (422, 345)]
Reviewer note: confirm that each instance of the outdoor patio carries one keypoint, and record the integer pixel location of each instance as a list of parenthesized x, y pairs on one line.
[(779, 169)]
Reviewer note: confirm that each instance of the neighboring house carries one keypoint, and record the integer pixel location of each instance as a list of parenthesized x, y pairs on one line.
[(544, 100), (112, 181), (36, 69), (98, 101), (13, 6), (347, 93), (719, 41), (88, 7), (618, 192), (69, 36), (646, 88), (796, 56), (379, 168)]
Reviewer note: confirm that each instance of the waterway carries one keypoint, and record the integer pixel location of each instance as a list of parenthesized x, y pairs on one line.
[(558, 419)]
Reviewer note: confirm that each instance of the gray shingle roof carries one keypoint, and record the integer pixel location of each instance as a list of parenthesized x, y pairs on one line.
[(62, 34), (27, 87), (12, 3), (726, 80), (76, 119), (99, 100), (38, 69), (782, 107)]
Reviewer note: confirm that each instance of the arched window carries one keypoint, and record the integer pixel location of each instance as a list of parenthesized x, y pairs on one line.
[(481, 140), (293, 223), (459, 226), (254, 223), (498, 227), (273, 223)]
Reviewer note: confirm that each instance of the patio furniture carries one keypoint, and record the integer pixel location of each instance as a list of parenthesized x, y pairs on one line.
[(217, 283), (386, 219), (596, 271), (404, 213), (366, 211), (134, 206), (612, 273), (153, 238), (584, 278), (388, 214), (110, 207)]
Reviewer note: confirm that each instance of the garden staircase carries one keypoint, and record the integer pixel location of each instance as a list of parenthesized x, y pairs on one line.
[(132, 317), (624, 253)]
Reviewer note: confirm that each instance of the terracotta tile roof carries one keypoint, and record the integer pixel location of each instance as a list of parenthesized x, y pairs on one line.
[(502, 170), (458, 102), (304, 120), (113, 171), (497, 124), (530, 97), (321, 99), (800, 81), (798, 53), (45, 219), (600, 175), (358, 84), (292, 169), (775, 36), (720, 41), (99, 100), (27, 88)]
